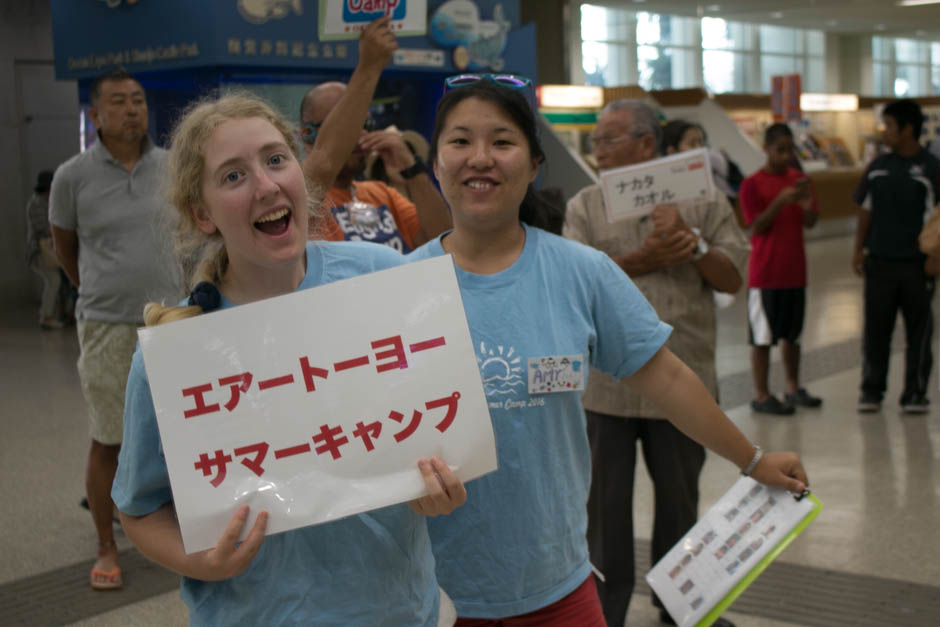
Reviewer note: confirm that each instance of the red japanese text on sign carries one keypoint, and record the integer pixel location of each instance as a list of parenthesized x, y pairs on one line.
[(393, 358)]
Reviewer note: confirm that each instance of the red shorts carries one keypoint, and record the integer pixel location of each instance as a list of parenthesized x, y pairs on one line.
[(581, 608)]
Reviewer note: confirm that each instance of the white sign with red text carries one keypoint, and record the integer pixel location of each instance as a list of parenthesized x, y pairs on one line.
[(318, 404), (346, 19), (635, 190)]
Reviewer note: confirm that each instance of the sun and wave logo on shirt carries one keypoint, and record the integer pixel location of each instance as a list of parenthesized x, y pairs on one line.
[(500, 369)]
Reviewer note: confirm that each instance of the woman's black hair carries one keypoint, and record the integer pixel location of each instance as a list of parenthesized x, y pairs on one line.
[(534, 210), (674, 131)]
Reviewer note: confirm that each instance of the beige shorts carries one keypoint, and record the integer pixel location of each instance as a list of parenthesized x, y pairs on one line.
[(105, 360)]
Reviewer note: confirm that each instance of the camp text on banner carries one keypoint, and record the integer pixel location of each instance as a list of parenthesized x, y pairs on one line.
[(318, 404), (635, 190), (346, 19)]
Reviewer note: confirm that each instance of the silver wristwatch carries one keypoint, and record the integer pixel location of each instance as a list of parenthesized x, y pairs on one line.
[(701, 249)]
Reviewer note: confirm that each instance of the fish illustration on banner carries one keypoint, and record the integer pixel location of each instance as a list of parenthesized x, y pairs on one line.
[(260, 11), (477, 43)]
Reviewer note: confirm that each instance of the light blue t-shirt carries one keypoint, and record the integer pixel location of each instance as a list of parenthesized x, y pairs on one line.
[(370, 569), (518, 544)]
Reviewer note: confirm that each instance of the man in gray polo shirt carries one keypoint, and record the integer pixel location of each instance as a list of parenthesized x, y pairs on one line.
[(678, 256), (108, 222)]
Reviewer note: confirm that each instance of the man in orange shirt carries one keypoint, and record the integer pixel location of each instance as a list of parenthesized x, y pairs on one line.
[(371, 210)]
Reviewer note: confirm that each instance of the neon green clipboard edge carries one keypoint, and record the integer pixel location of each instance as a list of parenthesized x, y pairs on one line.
[(755, 572)]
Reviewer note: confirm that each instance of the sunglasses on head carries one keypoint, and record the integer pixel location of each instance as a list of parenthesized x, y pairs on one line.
[(309, 130), (504, 80)]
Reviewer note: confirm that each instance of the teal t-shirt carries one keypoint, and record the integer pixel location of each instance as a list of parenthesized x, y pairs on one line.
[(370, 569), (519, 542)]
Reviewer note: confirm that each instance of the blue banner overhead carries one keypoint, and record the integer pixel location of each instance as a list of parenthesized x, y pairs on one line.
[(91, 36)]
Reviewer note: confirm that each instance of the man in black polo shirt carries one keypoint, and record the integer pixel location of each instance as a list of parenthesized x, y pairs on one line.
[(895, 194)]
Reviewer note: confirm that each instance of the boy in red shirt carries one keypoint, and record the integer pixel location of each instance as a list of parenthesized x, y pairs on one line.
[(777, 201)]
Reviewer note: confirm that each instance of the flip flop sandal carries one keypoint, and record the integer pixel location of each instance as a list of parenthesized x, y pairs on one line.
[(104, 580)]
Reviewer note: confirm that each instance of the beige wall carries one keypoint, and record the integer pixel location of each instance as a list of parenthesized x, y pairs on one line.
[(31, 103)]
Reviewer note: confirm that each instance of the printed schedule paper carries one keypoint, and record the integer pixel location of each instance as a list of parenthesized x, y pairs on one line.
[(318, 404), (635, 190), (727, 549)]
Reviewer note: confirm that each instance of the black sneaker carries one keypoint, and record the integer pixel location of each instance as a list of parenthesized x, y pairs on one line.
[(772, 405), (868, 403), (803, 399), (915, 404)]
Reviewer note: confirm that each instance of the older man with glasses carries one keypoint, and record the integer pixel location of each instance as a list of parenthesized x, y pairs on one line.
[(677, 256), (371, 210)]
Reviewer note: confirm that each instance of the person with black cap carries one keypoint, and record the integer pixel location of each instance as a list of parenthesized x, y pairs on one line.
[(40, 255)]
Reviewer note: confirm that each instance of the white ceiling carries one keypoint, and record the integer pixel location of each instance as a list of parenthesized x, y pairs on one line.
[(842, 16)]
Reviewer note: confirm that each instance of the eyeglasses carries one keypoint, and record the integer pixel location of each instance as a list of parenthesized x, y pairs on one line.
[(504, 80), (606, 141), (309, 130)]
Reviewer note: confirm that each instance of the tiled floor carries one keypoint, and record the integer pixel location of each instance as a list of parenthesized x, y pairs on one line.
[(876, 474)]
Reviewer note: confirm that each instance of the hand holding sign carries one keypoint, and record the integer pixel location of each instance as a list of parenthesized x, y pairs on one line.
[(664, 250), (377, 45), (230, 558), (672, 242), (445, 490), (666, 219)]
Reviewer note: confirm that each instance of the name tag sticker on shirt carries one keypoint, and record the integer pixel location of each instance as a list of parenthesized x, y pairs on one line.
[(557, 373)]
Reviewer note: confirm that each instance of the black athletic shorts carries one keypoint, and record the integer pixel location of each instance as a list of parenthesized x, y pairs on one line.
[(775, 315)]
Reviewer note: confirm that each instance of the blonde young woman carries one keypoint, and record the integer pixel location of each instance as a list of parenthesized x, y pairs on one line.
[(516, 554), (243, 200)]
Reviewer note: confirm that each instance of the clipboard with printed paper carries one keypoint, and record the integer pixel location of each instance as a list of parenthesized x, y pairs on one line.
[(728, 548)]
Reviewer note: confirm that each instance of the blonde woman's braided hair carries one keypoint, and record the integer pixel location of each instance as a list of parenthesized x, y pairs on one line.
[(203, 256)]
